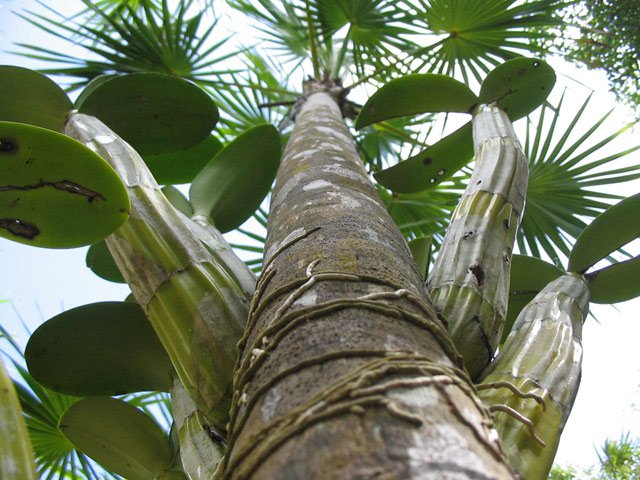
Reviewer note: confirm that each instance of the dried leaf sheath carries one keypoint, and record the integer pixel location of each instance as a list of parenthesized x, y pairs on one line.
[(537, 374), (469, 283), (346, 372), (191, 286)]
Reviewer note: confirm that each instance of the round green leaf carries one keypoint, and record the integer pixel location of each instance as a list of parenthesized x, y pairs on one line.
[(609, 231), (182, 166), (230, 188), (616, 283), (529, 275), (54, 191), (178, 200), (100, 261), (106, 348), (418, 93), (421, 250), (431, 166), (118, 436), (91, 86), (519, 86), (155, 113), (30, 97)]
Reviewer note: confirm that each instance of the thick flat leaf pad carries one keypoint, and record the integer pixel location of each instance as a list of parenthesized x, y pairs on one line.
[(118, 436), (182, 166), (100, 261), (155, 113), (106, 348), (414, 94), (29, 97), (609, 231), (421, 250), (616, 283), (232, 186), (54, 191), (431, 166), (519, 86)]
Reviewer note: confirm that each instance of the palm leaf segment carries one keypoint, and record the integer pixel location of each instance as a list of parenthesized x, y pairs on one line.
[(471, 36), (334, 34), (150, 39), (55, 456), (566, 173)]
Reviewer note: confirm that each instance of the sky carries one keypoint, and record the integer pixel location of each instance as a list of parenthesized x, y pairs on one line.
[(41, 283)]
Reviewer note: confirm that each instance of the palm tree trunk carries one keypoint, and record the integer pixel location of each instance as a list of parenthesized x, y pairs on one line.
[(346, 370)]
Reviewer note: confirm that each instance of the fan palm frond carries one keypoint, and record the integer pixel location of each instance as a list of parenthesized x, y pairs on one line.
[(284, 29), (249, 239), (146, 39), (251, 98), (425, 213), (470, 37), (381, 144), (567, 170), (375, 30)]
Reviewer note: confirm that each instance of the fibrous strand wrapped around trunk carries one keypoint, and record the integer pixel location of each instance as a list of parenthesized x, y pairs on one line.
[(346, 371)]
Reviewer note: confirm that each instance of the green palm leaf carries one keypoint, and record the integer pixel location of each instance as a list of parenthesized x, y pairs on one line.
[(151, 38), (251, 98), (284, 29), (381, 144), (335, 35), (567, 170), (375, 30), (425, 213), (249, 239), (56, 457), (470, 37)]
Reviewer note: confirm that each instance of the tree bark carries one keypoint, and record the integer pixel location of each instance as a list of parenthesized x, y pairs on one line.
[(346, 371)]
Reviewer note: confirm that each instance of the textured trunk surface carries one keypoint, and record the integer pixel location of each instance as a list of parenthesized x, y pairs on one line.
[(533, 382), (346, 371), (192, 287), (469, 283)]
